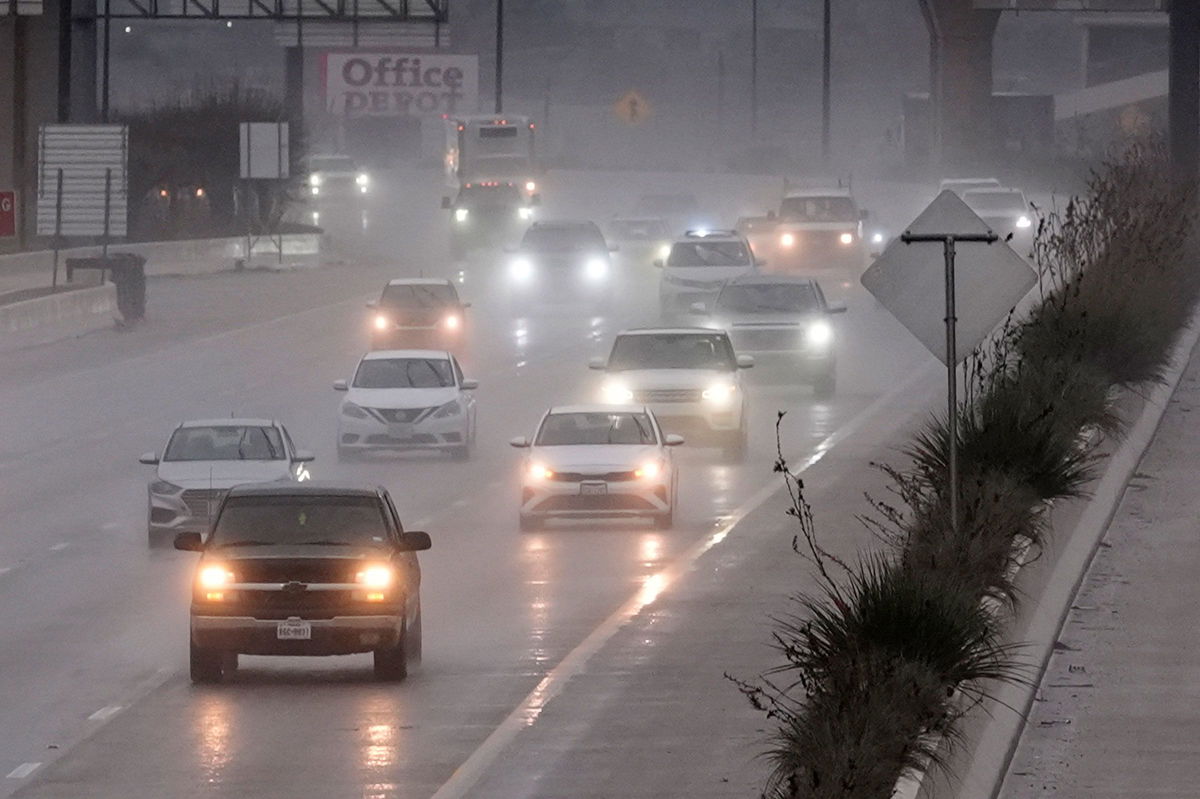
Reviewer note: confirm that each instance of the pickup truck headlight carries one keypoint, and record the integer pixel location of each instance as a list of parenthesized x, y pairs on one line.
[(846, 238), (363, 179), (521, 270), (314, 180), (524, 213), (787, 240), (617, 393), (215, 576), (163, 487), (596, 268), (376, 575), (461, 214), (353, 411), (819, 334)]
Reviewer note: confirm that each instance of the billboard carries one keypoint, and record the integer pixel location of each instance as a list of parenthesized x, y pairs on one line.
[(399, 84)]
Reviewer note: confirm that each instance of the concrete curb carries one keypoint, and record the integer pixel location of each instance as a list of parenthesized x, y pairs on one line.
[(57, 316), (992, 756)]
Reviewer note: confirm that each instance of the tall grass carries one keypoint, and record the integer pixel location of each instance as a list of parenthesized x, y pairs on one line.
[(873, 662)]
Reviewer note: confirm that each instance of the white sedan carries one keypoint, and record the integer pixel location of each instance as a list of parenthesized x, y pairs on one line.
[(406, 400), (598, 461)]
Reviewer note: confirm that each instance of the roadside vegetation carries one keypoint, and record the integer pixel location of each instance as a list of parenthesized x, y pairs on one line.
[(882, 662)]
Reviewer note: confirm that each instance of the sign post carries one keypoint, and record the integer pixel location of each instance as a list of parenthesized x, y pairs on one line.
[(992, 279), (264, 155)]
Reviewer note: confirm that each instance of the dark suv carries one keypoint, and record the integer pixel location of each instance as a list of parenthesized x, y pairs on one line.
[(305, 569)]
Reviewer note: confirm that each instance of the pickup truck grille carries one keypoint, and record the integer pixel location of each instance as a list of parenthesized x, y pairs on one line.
[(579, 477), (300, 570), (305, 604)]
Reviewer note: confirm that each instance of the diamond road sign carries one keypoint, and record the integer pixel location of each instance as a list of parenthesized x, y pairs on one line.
[(910, 279)]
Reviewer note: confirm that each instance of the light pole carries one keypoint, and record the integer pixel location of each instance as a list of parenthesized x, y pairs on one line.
[(499, 56), (753, 66), (825, 86)]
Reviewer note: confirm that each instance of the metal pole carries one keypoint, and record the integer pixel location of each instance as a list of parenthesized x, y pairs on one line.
[(64, 60), (105, 67), (754, 67), (825, 84), (107, 213), (499, 56), (952, 381), (1184, 89), (57, 227), (721, 88)]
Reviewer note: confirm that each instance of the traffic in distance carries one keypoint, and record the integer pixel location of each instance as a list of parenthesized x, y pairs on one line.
[(288, 566)]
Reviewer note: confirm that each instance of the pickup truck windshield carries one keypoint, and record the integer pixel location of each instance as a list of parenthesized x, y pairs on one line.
[(818, 209), (315, 520), (673, 351)]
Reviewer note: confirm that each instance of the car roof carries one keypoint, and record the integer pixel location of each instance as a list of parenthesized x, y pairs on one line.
[(597, 408), (309, 489), (674, 331), (831, 191), (756, 279), (230, 421), (420, 281), (378, 355)]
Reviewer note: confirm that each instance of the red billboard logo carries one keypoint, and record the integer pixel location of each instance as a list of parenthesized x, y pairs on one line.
[(8, 213)]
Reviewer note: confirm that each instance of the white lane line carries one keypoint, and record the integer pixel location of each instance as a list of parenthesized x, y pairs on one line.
[(459, 503), (60, 546), (22, 771), (527, 712), (111, 526), (105, 713)]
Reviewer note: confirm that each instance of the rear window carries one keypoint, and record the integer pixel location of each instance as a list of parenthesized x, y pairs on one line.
[(331, 521), (638, 229), (673, 351), (436, 295)]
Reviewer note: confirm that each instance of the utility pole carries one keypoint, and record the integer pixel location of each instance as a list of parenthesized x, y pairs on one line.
[(825, 85), (105, 66), (1184, 90), (754, 67), (499, 56)]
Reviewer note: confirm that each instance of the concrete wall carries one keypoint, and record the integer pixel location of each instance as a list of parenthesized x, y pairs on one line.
[(57, 316)]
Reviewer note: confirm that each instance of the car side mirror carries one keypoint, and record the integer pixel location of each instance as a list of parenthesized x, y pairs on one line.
[(446, 203), (535, 199), (832, 309), (598, 364), (520, 442), (303, 456), (414, 541), (189, 542), (373, 304), (658, 262), (673, 440), (698, 308), (745, 361), (341, 385), (148, 458), (470, 385)]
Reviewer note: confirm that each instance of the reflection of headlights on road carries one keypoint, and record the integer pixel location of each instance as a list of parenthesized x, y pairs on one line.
[(664, 252), (163, 487), (538, 472), (819, 334), (214, 577), (530, 186), (381, 322), (461, 214), (1024, 221), (452, 322), (353, 411), (877, 238), (648, 470), (521, 269), (595, 269), (451, 408), (846, 238), (720, 393), (787, 240), (524, 212), (363, 179), (616, 393)]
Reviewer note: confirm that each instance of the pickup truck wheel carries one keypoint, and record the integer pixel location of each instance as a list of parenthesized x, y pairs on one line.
[(205, 665), (413, 647), (391, 664)]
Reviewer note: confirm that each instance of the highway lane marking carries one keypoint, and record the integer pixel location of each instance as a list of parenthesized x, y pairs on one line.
[(105, 713), (526, 714), (60, 546), (22, 771), (111, 526), (459, 503)]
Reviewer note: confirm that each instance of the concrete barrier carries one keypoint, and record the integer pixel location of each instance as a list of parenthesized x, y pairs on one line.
[(57, 316)]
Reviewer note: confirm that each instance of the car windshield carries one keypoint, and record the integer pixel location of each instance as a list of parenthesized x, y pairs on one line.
[(299, 520), (404, 373), (506, 196), (752, 298), (225, 443), (666, 204), (638, 229), (573, 429), (992, 201), (818, 209), (551, 239), (419, 296), (332, 163), (673, 351), (709, 253)]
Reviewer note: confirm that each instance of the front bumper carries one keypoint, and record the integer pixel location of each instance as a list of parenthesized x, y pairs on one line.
[(340, 635), (698, 415), (169, 514), (417, 338), (563, 499), (431, 434)]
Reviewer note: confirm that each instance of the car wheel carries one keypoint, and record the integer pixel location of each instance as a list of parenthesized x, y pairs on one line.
[(825, 386), (414, 645), (206, 665), (391, 664), (530, 523)]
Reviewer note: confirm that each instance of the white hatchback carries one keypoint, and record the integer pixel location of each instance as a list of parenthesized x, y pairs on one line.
[(406, 400), (598, 461)]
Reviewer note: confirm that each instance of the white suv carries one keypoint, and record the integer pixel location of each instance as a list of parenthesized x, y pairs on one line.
[(685, 375), (698, 265)]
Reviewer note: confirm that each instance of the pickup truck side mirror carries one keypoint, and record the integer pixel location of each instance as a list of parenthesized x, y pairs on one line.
[(446, 204), (673, 440), (303, 456), (613, 248), (470, 385), (341, 385), (189, 542), (414, 541), (745, 361), (148, 458), (373, 304), (598, 364), (520, 442)]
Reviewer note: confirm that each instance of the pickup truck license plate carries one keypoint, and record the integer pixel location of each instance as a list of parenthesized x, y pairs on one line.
[(593, 489), (400, 430), (293, 631)]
